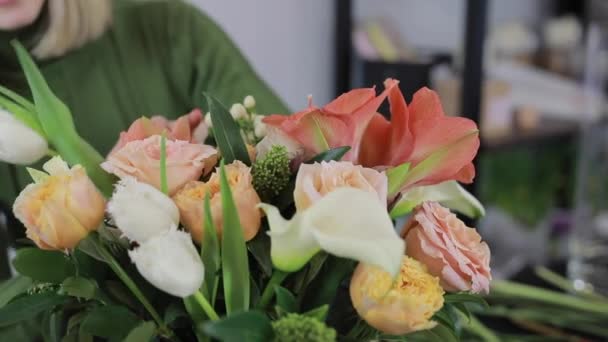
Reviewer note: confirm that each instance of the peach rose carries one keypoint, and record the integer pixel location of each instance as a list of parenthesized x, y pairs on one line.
[(189, 127), (316, 180), (451, 251), (190, 201), (61, 207), (141, 159)]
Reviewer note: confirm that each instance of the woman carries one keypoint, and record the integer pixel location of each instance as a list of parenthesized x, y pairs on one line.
[(113, 61)]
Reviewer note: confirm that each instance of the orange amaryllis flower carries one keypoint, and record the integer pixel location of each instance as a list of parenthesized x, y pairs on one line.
[(438, 147), (342, 122)]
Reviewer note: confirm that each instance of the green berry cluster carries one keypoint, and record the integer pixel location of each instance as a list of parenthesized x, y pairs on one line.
[(271, 173), (298, 328)]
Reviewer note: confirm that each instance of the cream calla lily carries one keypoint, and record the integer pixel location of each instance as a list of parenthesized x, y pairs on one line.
[(19, 144), (141, 211), (347, 222), (449, 194)]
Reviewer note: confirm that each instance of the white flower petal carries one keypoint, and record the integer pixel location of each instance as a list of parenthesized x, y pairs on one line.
[(141, 211), (347, 222), (450, 194), (19, 144), (171, 263)]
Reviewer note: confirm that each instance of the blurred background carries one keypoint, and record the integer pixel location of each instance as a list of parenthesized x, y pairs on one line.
[(533, 76)]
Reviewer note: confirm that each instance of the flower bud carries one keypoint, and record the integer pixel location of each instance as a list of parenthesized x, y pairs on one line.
[(141, 211), (208, 119), (170, 262), (61, 207), (259, 126), (238, 111), (249, 102), (396, 306), (19, 144)]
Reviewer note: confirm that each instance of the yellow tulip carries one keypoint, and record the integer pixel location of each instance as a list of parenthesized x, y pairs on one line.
[(61, 207), (396, 306)]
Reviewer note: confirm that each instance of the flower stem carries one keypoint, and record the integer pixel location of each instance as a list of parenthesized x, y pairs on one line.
[(204, 303), (516, 291), (276, 279), (120, 272)]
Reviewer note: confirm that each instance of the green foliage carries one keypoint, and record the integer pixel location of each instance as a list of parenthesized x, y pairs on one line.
[(331, 154), (45, 266), (142, 333), (210, 253), (111, 322), (286, 301), (235, 264), (79, 287), (12, 288), (28, 307), (227, 132), (295, 327), (271, 173), (250, 326), (396, 177)]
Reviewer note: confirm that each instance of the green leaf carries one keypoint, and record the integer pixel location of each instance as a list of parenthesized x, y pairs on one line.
[(250, 326), (210, 253), (323, 288), (79, 287), (26, 116), (111, 322), (319, 313), (464, 297), (331, 154), (142, 333), (46, 266), (285, 299), (226, 132), (12, 288), (164, 187), (235, 264), (27, 307), (259, 247), (396, 177), (56, 120)]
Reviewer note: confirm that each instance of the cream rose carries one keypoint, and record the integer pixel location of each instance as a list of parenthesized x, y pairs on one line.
[(316, 180)]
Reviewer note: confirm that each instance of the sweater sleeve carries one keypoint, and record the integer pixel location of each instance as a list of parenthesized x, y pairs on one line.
[(204, 55)]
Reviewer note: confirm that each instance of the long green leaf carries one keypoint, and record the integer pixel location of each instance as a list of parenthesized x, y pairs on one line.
[(46, 266), (227, 132), (250, 326), (235, 264), (210, 253), (12, 288), (22, 114), (18, 99), (331, 154), (56, 121), (28, 307)]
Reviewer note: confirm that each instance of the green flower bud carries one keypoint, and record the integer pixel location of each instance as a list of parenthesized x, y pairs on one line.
[(299, 328), (271, 173)]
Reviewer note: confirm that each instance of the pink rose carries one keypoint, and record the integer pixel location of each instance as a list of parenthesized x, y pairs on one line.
[(316, 180), (141, 159), (189, 127), (450, 250)]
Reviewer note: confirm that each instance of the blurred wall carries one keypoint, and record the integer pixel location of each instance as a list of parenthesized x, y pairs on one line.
[(289, 43)]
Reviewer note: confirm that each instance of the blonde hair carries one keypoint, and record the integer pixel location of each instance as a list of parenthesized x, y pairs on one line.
[(72, 23)]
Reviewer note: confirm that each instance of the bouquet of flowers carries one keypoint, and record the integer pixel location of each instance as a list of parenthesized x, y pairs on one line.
[(328, 224)]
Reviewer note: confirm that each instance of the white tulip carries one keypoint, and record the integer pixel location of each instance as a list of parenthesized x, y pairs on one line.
[(19, 144), (450, 194), (238, 111), (170, 262), (249, 102), (141, 211), (347, 222)]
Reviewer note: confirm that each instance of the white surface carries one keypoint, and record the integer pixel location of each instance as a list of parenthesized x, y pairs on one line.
[(289, 43)]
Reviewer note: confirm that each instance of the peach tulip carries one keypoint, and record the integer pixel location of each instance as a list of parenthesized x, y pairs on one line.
[(317, 180), (438, 147), (61, 207), (451, 251), (342, 122), (396, 306), (189, 127), (191, 198), (141, 159)]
